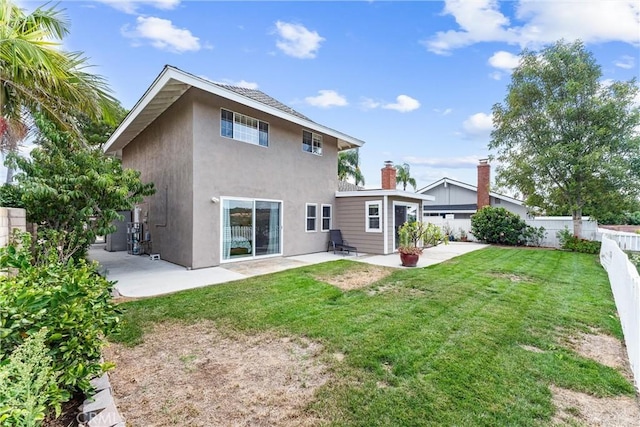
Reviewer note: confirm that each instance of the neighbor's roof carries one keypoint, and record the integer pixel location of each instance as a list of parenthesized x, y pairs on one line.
[(348, 186), (447, 181), (380, 193), (172, 83)]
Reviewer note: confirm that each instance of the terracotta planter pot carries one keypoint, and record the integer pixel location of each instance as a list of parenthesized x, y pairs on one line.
[(409, 260)]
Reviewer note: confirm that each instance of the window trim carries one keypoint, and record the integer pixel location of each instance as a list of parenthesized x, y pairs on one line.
[(307, 218), (233, 121), (368, 229), (313, 148), (322, 217)]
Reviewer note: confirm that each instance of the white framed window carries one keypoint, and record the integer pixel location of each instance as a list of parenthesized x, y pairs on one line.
[(326, 218), (373, 216), (311, 210), (244, 128), (312, 142)]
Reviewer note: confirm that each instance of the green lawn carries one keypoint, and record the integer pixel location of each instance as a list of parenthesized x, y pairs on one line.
[(450, 333)]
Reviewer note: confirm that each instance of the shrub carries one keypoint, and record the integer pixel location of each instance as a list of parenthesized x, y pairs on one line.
[(575, 244), (498, 225), (28, 386), (71, 300)]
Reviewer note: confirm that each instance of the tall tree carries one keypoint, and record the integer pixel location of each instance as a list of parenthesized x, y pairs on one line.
[(37, 76), (566, 140), (403, 176), (349, 166)]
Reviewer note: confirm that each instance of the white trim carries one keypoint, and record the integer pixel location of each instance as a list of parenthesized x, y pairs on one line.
[(322, 206), (253, 220), (366, 216), (385, 229), (384, 193), (306, 218), (408, 205), (185, 81)]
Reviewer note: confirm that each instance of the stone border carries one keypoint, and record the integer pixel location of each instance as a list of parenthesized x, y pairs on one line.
[(100, 410)]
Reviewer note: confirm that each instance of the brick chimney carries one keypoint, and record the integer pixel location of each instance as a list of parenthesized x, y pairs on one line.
[(388, 176), (484, 177)]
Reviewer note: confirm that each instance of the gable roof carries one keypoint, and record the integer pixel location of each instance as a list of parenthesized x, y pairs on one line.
[(468, 187), (172, 83)]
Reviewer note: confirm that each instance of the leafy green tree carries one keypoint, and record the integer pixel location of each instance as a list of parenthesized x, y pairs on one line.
[(403, 176), (349, 166), (73, 191), (36, 75), (565, 140)]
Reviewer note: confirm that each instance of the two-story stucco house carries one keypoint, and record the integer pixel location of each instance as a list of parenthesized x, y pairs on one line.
[(238, 175)]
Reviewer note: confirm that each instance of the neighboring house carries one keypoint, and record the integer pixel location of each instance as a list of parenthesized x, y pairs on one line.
[(239, 175), (458, 200)]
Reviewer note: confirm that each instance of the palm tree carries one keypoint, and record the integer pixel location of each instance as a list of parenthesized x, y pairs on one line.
[(349, 166), (36, 76), (403, 176)]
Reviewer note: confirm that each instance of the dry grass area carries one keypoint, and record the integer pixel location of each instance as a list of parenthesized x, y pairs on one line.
[(604, 349), (356, 277), (582, 409), (194, 375), (575, 408)]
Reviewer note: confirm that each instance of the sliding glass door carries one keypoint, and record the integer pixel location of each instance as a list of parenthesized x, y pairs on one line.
[(251, 228)]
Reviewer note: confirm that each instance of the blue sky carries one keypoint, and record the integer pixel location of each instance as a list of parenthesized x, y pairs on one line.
[(415, 80)]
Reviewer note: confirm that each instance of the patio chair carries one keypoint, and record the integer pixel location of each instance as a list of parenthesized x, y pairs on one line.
[(338, 244)]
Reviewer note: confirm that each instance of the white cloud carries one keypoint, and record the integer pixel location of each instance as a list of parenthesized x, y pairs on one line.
[(545, 22), (163, 35), (627, 62), (245, 84), (444, 112), (504, 61), (369, 104), (444, 162), (403, 104), (297, 41), (131, 6), (327, 99), (478, 125)]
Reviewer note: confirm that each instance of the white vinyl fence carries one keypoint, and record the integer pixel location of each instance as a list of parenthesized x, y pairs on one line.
[(626, 241), (551, 224), (625, 285)]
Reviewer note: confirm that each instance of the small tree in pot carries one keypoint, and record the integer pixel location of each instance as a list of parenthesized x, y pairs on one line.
[(414, 237)]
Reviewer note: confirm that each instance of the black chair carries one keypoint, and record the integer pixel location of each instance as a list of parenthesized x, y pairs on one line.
[(338, 244)]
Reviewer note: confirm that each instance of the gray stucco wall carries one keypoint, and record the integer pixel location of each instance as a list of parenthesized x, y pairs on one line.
[(350, 219), (163, 152), (224, 167)]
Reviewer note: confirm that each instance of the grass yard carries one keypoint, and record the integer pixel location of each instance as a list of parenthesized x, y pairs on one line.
[(481, 340)]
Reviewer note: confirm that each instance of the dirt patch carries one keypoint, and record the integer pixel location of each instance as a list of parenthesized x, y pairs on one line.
[(395, 287), (531, 348), (356, 277), (196, 376), (515, 278), (578, 408), (604, 349)]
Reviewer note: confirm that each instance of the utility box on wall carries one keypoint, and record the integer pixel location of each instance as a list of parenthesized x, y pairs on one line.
[(117, 241)]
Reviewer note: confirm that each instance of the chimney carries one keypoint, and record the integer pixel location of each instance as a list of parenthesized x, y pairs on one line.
[(388, 176), (484, 177)]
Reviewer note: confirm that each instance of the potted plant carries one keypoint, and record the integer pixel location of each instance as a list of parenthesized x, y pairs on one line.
[(464, 237), (414, 237)]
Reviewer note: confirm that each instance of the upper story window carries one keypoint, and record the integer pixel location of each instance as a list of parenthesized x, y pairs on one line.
[(244, 128), (311, 142)]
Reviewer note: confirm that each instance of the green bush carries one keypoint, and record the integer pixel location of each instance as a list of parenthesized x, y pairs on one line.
[(498, 225), (71, 300), (28, 386), (572, 243)]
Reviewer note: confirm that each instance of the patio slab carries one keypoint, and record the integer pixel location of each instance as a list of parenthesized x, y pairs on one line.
[(137, 276)]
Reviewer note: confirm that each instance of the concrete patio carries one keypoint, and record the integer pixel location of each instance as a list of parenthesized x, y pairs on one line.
[(138, 276)]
